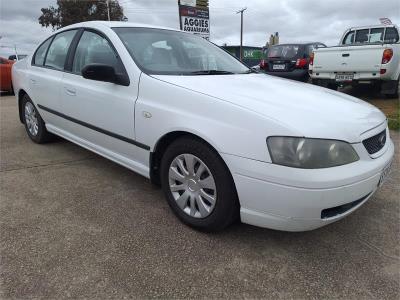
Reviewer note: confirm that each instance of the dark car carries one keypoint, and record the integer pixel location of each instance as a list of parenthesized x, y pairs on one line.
[(289, 60)]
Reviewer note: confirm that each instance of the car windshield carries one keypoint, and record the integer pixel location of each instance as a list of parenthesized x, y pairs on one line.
[(168, 52), (283, 51)]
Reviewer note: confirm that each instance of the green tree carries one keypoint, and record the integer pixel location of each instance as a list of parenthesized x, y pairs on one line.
[(74, 11)]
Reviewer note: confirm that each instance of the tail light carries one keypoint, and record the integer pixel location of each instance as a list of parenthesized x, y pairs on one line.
[(301, 62), (383, 71), (312, 59), (387, 56)]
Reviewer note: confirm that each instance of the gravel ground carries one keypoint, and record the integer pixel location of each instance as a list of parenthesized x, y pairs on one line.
[(75, 225)]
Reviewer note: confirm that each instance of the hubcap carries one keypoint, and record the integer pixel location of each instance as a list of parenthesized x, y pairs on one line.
[(192, 186), (31, 119)]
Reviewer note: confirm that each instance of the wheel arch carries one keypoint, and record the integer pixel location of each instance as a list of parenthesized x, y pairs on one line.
[(163, 143), (21, 94)]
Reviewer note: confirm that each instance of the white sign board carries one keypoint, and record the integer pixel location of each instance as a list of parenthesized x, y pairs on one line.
[(188, 2), (195, 20)]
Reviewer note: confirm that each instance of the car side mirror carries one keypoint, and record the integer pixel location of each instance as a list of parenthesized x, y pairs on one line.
[(106, 73)]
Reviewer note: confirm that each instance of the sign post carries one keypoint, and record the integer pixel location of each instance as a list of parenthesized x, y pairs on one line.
[(194, 17)]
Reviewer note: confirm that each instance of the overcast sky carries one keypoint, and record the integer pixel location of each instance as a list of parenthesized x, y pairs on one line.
[(295, 20)]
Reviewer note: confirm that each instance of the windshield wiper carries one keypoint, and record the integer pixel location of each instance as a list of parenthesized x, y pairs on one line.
[(211, 72)]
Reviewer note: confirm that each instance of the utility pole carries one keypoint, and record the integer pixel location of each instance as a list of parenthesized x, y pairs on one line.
[(108, 10), (241, 32)]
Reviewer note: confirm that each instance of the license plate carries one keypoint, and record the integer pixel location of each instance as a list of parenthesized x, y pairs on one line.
[(344, 77), (278, 67), (385, 173)]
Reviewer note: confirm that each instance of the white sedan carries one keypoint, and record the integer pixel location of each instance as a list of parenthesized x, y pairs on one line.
[(222, 141)]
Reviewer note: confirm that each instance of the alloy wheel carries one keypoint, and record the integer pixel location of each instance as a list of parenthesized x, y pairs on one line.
[(31, 119)]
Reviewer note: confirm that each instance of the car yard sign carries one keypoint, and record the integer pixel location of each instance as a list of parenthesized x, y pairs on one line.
[(194, 17)]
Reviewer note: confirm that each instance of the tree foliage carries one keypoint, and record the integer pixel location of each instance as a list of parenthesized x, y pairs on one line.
[(74, 11)]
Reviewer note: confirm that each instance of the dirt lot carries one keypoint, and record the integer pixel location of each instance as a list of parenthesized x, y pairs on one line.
[(75, 225)]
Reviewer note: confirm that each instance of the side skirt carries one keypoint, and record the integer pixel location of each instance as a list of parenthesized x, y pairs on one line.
[(117, 158)]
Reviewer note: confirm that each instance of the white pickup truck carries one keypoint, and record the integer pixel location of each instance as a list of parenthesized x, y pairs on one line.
[(366, 55)]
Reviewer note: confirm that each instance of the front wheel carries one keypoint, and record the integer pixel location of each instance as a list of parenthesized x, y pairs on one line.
[(34, 124), (198, 185)]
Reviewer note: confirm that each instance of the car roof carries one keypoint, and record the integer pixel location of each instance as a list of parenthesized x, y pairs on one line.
[(113, 24), (372, 26)]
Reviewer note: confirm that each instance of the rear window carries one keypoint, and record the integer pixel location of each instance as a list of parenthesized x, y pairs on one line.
[(392, 35), (283, 51), (371, 36)]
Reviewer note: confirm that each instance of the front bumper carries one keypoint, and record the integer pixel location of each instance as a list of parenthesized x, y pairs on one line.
[(289, 199)]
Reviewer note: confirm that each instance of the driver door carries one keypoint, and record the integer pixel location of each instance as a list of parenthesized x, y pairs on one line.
[(101, 115)]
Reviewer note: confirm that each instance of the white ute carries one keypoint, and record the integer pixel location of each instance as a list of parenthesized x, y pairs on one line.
[(181, 111), (365, 55)]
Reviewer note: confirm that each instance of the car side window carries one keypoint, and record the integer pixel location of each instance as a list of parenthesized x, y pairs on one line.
[(41, 53), (95, 49), (392, 35), (58, 50), (362, 36), (376, 35), (348, 40)]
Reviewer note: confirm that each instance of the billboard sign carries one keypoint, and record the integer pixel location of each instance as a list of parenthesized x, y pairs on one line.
[(194, 19)]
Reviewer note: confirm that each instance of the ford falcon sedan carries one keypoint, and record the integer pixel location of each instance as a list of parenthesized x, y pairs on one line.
[(223, 142)]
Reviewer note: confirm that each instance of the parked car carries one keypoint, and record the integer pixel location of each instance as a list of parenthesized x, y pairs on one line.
[(289, 60), (5, 75), (366, 55), (181, 111)]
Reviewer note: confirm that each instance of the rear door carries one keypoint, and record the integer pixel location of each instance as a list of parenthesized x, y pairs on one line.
[(366, 58), (99, 113), (46, 73)]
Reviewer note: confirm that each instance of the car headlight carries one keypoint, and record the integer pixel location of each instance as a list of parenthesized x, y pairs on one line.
[(309, 153)]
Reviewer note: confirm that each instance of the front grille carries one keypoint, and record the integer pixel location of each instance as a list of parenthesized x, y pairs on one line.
[(375, 143)]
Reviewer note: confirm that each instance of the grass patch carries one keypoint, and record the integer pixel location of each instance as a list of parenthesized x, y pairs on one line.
[(394, 120)]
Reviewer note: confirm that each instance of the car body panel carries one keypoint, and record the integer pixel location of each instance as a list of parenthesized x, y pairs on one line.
[(292, 101), (232, 113)]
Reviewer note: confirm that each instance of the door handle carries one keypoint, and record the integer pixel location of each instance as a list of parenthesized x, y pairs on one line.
[(346, 55), (33, 81), (71, 92)]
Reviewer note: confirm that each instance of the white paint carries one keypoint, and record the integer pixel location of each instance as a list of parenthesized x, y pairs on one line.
[(233, 113), (363, 60)]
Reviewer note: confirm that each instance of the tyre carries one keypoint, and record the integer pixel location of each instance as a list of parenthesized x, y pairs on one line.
[(198, 185), (12, 90), (395, 95), (332, 86), (34, 124)]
